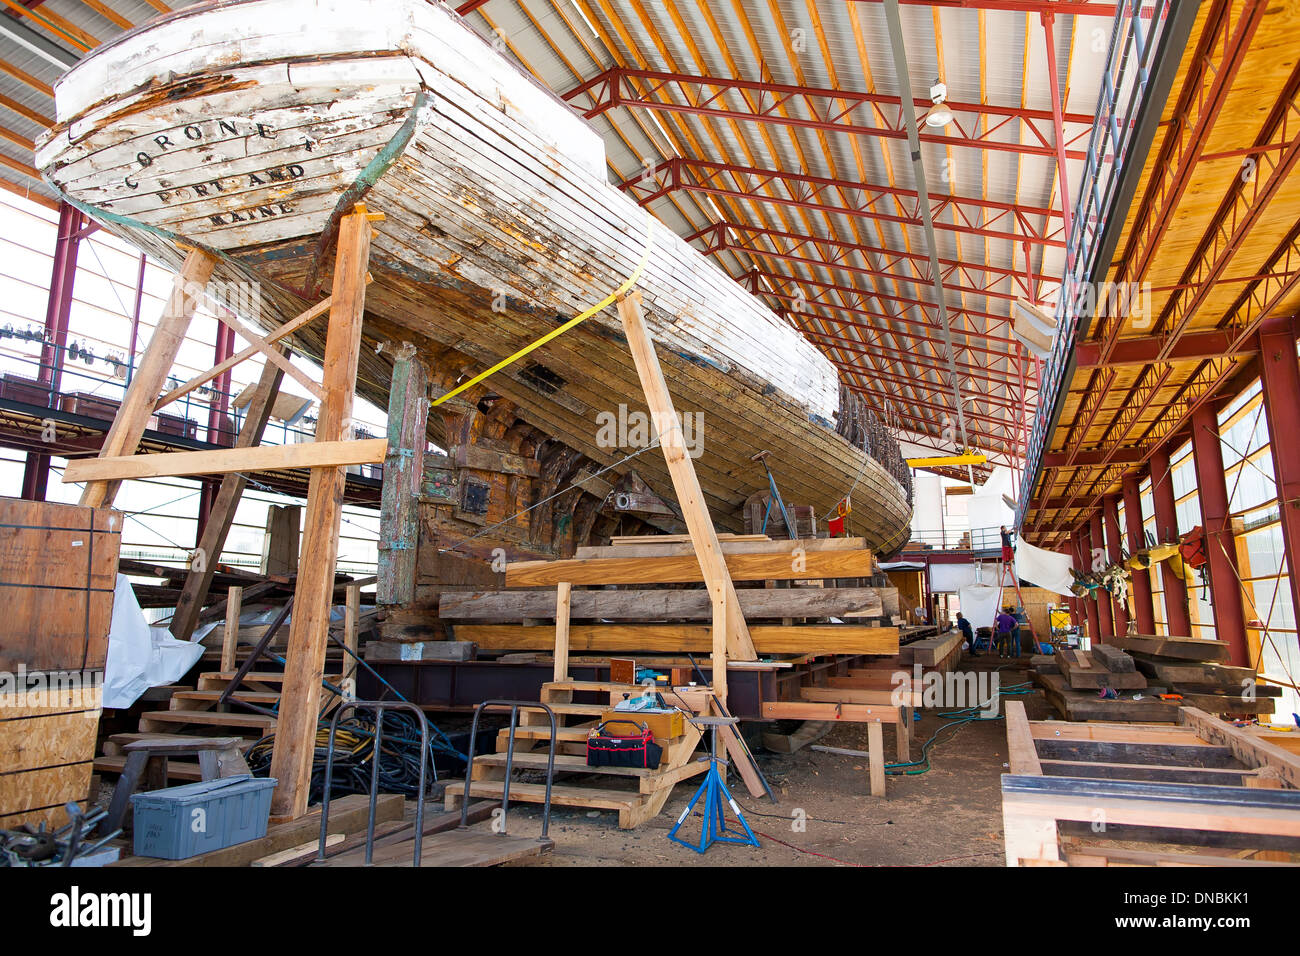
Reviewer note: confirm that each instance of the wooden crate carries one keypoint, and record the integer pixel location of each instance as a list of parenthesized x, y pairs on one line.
[(47, 738), (58, 565)]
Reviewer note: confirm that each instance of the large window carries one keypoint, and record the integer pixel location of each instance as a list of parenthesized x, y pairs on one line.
[(1253, 508)]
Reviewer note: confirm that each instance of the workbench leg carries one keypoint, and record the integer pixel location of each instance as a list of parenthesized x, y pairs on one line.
[(876, 760)]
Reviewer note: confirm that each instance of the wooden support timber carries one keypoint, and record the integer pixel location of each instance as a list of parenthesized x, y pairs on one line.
[(683, 570), (1205, 787), (295, 736), (399, 513), (138, 404), (690, 498), (816, 639), (213, 541), (316, 454)]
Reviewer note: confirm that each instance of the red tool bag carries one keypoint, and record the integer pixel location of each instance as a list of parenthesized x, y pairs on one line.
[(605, 749), (1192, 548)]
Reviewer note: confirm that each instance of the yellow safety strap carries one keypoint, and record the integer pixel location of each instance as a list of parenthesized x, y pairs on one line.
[(613, 297)]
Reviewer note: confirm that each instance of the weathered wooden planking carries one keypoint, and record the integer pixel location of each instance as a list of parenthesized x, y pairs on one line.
[(58, 569), (1177, 648), (686, 569), (816, 639), (659, 604)]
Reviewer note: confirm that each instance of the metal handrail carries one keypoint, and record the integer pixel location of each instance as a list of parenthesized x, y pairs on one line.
[(378, 706), (515, 706)]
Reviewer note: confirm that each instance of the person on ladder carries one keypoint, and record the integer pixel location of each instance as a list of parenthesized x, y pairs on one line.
[(1008, 549)]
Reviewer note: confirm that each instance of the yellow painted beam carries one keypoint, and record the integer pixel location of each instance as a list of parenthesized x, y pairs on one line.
[(945, 460)]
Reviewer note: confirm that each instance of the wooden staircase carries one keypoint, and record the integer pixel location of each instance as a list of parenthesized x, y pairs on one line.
[(637, 794)]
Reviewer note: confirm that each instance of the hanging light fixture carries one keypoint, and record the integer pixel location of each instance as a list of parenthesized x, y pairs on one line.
[(939, 115)]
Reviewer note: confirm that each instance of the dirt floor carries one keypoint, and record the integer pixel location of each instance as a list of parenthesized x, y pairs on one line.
[(950, 815)]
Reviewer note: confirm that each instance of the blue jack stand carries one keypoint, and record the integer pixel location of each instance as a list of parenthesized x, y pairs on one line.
[(714, 792)]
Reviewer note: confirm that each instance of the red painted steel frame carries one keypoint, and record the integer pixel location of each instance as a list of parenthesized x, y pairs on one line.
[(1280, 382), (1097, 543), (1177, 618), (1144, 610), (1220, 543), (1114, 553)]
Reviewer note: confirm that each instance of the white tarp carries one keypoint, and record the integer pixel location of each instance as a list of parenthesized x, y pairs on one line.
[(979, 604), (951, 577), (140, 656), (1044, 569)]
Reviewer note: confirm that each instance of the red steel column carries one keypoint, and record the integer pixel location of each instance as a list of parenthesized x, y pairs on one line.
[(1280, 380), (1220, 542), (1114, 552), (1162, 498), (58, 307), (1144, 611), (1105, 621)]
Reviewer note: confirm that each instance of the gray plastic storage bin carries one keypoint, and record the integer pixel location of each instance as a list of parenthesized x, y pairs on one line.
[(181, 822)]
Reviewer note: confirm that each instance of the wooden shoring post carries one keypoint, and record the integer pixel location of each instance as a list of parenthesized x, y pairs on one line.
[(199, 580), (719, 666), (351, 625), (563, 604), (230, 637), (295, 736), (399, 512), (690, 497), (138, 404)]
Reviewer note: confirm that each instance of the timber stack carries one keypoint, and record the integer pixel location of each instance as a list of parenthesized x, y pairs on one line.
[(1148, 678)]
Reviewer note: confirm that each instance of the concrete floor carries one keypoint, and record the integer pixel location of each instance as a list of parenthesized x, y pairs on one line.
[(948, 816)]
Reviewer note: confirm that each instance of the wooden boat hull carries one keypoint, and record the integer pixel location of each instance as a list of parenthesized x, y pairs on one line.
[(249, 127)]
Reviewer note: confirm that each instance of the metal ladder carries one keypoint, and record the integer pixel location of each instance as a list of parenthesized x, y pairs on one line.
[(515, 706)]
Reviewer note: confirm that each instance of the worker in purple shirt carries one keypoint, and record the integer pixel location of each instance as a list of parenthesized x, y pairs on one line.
[(1008, 630)]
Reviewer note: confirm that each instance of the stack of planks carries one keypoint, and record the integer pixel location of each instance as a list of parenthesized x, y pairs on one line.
[(1195, 670), (1140, 669), (645, 595)]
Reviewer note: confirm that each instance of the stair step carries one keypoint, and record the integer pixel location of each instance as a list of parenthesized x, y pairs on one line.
[(183, 771), (265, 698), (232, 719), (217, 680), (568, 763), (588, 685), (592, 797), (543, 732), (582, 710)]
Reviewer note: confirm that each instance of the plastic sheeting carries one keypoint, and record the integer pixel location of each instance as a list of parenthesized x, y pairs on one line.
[(140, 656), (979, 604), (1045, 569)]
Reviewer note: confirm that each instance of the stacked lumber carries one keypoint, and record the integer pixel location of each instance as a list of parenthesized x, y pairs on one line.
[(1195, 670), (646, 594), (1075, 682), (1141, 668)]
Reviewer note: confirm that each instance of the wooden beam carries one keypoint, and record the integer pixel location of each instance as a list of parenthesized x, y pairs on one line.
[(1020, 742), (817, 639), (288, 328), (687, 570), (845, 713), (26, 112), (137, 405), (230, 635), (563, 594), (317, 454), (1251, 750), (351, 620), (295, 737), (672, 549), (272, 354), (399, 511), (690, 498), (718, 598), (661, 604), (194, 592)]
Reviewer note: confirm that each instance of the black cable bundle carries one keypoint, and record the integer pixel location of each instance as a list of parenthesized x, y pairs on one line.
[(354, 747)]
